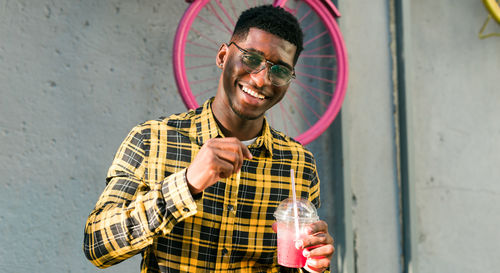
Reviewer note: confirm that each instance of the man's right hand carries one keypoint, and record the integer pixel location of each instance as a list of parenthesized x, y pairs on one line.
[(218, 158)]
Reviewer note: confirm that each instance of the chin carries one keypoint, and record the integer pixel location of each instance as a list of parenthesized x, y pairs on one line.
[(245, 116)]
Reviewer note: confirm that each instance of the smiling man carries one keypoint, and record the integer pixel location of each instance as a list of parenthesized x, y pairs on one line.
[(196, 192)]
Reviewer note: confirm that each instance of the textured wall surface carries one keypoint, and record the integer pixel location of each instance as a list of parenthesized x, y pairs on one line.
[(76, 76), (456, 99), (369, 137), (453, 99)]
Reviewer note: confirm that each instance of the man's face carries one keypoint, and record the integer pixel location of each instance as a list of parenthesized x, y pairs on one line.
[(250, 95)]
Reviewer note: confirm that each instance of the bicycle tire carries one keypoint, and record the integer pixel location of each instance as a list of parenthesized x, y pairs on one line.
[(325, 87)]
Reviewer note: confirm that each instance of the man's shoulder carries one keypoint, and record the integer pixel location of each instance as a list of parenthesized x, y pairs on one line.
[(176, 122), (285, 142)]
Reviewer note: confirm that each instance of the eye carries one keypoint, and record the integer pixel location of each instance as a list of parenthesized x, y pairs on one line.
[(252, 60), (280, 71)]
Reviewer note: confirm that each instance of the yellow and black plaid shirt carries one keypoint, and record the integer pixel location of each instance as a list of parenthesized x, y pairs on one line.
[(147, 208)]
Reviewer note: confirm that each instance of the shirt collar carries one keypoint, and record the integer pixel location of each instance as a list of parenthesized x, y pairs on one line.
[(207, 128)]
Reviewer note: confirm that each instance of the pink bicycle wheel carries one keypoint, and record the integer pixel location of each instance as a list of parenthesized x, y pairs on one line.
[(313, 99)]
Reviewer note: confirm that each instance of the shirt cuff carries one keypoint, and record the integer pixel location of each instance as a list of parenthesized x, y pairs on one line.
[(178, 199)]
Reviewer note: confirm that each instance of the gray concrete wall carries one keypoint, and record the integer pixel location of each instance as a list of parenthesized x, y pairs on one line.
[(75, 76), (455, 97), (453, 105), (368, 132)]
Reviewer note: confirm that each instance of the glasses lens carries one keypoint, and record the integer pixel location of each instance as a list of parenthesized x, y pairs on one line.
[(253, 61), (278, 74)]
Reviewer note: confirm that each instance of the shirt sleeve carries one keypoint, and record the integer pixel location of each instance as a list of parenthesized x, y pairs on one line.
[(130, 212), (314, 186)]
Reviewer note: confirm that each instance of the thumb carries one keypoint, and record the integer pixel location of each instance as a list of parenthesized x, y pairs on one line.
[(246, 152)]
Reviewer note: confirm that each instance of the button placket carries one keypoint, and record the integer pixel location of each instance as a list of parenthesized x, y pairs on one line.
[(227, 222)]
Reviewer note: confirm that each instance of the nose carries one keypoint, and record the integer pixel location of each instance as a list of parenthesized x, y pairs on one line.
[(261, 78)]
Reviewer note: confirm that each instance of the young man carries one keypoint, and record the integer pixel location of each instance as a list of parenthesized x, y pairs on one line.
[(196, 192)]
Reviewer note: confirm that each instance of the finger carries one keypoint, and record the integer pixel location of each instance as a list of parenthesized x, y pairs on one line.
[(242, 149), (275, 227), (232, 158), (232, 145), (318, 265), (319, 252), (246, 152), (317, 239), (224, 168), (313, 269), (232, 140), (317, 227)]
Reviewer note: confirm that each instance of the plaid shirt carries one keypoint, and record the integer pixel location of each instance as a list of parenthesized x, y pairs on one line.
[(147, 208)]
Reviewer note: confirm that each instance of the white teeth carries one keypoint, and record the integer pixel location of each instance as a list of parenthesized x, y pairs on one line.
[(252, 93)]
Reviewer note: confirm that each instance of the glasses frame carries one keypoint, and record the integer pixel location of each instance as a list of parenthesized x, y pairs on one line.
[(268, 64)]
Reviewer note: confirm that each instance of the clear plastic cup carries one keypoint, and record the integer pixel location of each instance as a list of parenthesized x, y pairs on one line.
[(288, 254)]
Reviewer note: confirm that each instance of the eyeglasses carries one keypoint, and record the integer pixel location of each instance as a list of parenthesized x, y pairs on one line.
[(254, 62)]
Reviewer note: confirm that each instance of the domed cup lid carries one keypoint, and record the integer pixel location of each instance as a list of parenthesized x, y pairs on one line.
[(305, 210)]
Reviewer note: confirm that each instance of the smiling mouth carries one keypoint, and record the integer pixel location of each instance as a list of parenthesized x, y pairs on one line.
[(252, 93)]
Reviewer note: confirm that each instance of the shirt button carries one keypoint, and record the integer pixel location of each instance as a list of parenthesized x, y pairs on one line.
[(224, 251), (230, 207), (185, 209)]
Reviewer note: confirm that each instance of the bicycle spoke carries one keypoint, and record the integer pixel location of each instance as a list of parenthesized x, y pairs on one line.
[(234, 9), (321, 101), (204, 36), (212, 24), (225, 12), (314, 77), (271, 117), (323, 56), (317, 67), (301, 98), (291, 119), (199, 56), (305, 16), (329, 45), (283, 112), (315, 38), (204, 92), (200, 45), (297, 108), (308, 87), (295, 10), (204, 80), (312, 24), (200, 66), (216, 14)]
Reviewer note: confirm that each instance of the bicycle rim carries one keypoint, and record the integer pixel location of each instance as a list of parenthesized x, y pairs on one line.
[(313, 99)]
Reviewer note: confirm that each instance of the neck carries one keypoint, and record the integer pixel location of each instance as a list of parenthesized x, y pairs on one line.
[(232, 125)]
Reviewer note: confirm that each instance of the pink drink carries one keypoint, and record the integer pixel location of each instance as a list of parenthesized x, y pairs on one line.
[(288, 255)]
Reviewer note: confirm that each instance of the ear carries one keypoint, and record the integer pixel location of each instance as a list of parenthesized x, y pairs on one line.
[(221, 55)]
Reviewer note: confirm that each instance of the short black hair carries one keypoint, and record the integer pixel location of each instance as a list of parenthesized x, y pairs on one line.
[(274, 20)]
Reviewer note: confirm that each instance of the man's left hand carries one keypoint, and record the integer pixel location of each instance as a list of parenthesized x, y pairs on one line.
[(318, 247)]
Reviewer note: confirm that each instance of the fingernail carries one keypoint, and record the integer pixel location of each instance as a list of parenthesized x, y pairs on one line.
[(299, 244), (311, 262), (306, 253), (309, 230)]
